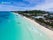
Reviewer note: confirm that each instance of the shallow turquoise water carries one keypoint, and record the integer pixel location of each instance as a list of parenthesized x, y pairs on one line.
[(15, 27)]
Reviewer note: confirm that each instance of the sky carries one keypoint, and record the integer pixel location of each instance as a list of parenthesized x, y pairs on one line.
[(17, 5)]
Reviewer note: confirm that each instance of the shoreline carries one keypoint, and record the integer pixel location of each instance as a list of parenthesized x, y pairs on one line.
[(45, 30), (48, 32)]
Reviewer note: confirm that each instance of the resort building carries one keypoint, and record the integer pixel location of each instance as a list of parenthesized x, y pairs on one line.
[(39, 17)]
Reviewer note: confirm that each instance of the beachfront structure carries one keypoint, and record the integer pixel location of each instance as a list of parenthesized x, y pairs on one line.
[(39, 17), (45, 14)]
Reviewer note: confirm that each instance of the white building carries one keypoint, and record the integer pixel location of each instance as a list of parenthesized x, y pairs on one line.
[(38, 17)]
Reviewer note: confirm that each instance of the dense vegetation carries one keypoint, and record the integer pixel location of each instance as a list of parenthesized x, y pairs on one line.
[(32, 13)]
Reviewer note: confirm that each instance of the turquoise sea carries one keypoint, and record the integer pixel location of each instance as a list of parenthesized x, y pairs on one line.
[(15, 27)]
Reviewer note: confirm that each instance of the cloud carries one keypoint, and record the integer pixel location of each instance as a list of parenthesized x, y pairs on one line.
[(12, 8), (46, 5), (22, 5)]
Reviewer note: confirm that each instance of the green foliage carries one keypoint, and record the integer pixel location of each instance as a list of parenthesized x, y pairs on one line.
[(35, 13)]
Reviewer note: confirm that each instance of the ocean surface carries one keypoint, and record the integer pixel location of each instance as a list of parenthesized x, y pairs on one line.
[(15, 27)]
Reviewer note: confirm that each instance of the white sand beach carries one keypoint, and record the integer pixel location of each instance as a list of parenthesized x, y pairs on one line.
[(48, 32)]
